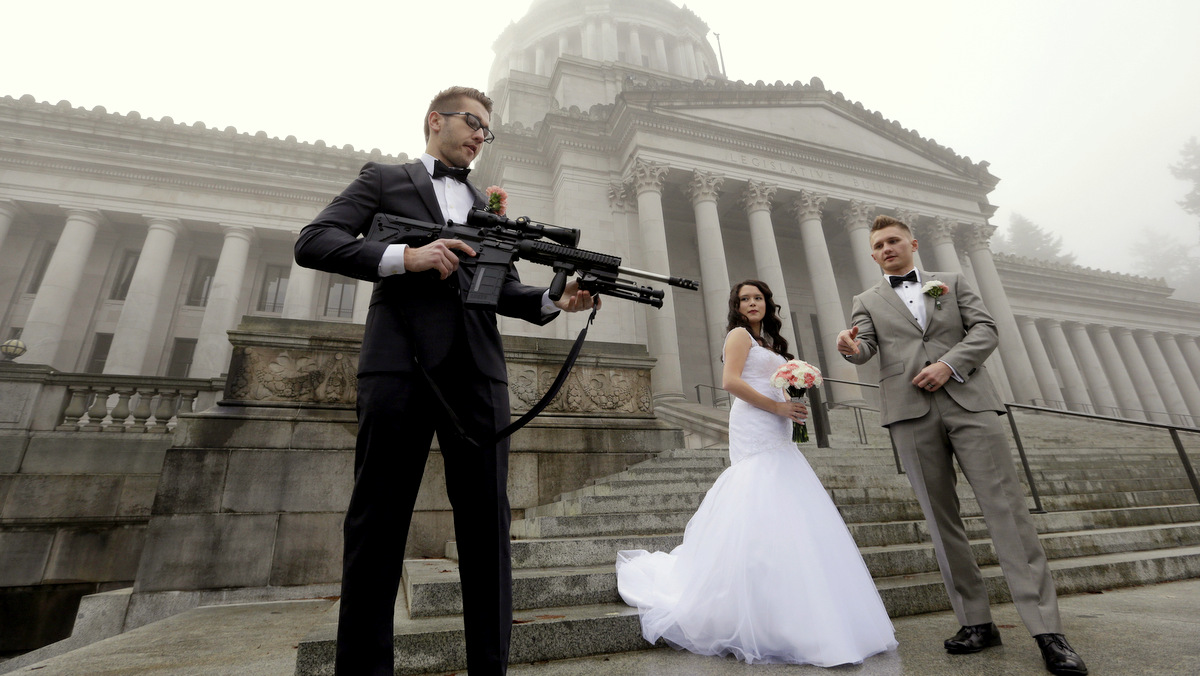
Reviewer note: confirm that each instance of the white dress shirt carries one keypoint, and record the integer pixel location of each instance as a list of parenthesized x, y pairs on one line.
[(455, 199), (910, 294)]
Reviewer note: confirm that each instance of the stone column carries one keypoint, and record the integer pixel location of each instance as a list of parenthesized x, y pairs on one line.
[(1160, 372), (591, 39), (609, 32), (1185, 377), (857, 221), (698, 59), (667, 377), (8, 212), (687, 59), (564, 44), (539, 59), (1051, 395), (756, 200), (1074, 390), (301, 289), (52, 305), (828, 301), (130, 342), (941, 239), (362, 300), (221, 314), (1118, 373), (635, 47), (1093, 371), (909, 218), (1017, 364), (1139, 372), (660, 53), (702, 189), (1190, 348)]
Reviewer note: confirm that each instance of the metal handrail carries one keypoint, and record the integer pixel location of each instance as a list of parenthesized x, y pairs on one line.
[(1037, 500), (861, 424), (1173, 429), (714, 395), (1184, 419)]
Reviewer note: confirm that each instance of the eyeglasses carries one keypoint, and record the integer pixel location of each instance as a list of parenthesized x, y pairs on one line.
[(474, 123)]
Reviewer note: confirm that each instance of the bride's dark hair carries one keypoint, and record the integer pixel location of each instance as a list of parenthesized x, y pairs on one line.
[(771, 324)]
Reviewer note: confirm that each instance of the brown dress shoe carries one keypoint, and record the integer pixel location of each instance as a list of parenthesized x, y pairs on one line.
[(974, 638), (1060, 657)]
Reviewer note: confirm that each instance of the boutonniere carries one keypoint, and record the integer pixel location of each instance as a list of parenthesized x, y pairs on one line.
[(497, 200), (935, 290)]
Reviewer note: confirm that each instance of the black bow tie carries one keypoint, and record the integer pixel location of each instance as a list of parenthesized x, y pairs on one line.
[(456, 173), (897, 280)]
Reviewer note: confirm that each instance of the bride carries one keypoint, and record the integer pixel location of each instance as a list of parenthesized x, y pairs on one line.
[(767, 571)]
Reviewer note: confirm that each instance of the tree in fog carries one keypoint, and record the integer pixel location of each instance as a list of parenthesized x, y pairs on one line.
[(1172, 257), (1188, 169), (1028, 239)]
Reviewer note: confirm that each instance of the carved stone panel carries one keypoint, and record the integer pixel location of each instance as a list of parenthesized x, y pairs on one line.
[(262, 374)]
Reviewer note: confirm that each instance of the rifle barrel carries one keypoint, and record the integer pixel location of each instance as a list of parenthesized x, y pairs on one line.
[(680, 282)]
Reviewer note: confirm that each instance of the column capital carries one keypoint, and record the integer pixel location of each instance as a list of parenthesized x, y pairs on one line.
[(857, 215), (9, 209), (809, 205), (238, 232), (976, 236), (908, 217), (704, 186), (92, 216), (942, 230), (757, 196), (648, 176), (619, 196), (173, 225)]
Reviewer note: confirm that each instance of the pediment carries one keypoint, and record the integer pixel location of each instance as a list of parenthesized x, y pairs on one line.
[(818, 125)]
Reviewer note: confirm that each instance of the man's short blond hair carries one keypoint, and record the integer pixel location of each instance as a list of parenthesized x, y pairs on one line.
[(882, 222), (450, 97)]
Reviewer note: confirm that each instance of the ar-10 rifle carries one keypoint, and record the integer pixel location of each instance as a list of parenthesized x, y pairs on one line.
[(498, 241)]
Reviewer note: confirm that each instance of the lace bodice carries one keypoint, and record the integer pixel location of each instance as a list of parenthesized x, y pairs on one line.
[(751, 429)]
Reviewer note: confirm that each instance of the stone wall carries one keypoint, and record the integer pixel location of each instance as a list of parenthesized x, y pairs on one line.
[(253, 491)]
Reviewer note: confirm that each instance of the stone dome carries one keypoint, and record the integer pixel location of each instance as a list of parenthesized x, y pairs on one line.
[(655, 35)]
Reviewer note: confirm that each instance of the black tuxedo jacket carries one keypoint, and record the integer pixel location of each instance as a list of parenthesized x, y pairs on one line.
[(433, 307)]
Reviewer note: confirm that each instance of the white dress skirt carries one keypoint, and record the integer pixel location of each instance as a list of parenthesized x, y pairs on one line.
[(767, 570)]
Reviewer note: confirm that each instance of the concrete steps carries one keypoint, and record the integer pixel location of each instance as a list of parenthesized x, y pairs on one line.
[(1115, 517)]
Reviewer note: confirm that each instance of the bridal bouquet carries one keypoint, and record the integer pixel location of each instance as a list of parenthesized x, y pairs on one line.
[(797, 376)]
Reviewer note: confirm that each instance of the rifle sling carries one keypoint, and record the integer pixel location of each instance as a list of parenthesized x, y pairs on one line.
[(532, 413)]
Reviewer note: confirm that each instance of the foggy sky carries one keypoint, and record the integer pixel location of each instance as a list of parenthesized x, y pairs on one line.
[(1078, 106)]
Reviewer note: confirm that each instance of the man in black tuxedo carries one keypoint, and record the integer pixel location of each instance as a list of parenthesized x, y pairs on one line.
[(417, 315)]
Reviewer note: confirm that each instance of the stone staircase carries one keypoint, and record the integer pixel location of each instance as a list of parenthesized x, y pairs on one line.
[(1120, 512)]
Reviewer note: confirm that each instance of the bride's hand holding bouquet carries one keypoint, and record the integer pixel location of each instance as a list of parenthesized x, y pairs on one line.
[(797, 377)]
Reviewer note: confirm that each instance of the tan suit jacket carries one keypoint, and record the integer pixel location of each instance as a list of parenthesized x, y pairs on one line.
[(960, 333)]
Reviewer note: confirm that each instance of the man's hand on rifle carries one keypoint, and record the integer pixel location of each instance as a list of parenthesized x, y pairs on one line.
[(574, 300), (437, 255)]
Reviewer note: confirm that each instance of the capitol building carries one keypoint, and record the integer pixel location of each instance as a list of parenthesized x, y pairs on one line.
[(131, 246), (134, 250)]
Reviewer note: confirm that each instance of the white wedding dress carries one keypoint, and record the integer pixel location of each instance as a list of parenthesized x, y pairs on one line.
[(767, 570)]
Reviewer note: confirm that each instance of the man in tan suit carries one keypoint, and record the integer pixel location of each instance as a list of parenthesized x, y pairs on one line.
[(938, 403)]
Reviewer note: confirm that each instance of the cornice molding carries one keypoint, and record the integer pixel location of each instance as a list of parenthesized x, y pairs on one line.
[(128, 174), (719, 91), (100, 130)]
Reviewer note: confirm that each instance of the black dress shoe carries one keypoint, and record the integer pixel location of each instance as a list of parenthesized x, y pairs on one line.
[(974, 638), (1060, 657)]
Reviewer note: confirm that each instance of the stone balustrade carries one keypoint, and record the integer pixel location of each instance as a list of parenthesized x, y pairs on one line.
[(38, 398)]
